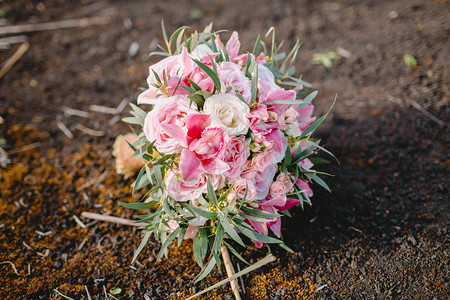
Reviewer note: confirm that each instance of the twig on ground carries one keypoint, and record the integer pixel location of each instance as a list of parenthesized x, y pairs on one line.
[(230, 271), (24, 148), (12, 265), (426, 113), (241, 280), (74, 112), (95, 181), (87, 292), (268, 259), (74, 23), (64, 129), (110, 219), (6, 42), (79, 222), (355, 229), (89, 131), (62, 295), (14, 58), (110, 110)]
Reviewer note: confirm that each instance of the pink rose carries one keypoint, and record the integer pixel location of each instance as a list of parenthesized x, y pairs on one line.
[(235, 155), (230, 75), (166, 124), (241, 185), (287, 182), (183, 191), (262, 160)]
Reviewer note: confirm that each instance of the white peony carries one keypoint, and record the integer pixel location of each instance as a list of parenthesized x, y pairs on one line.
[(201, 51), (228, 112)]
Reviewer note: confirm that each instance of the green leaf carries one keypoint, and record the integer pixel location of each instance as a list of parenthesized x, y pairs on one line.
[(197, 248), (181, 235), (288, 156), (206, 270), (210, 73), (211, 193), (169, 240), (283, 245), (258, 213), (319, 181), (257, 45), (166, 207), (138, 179), (254, 85), (236, 253), (139, 205), (316, 123), (250, 233), (319, 161), (215, 249), (229, 229), (133, 120), (141, 245), (204, 240), (245, 216), (310, 97), (203, 213), (138, 111)]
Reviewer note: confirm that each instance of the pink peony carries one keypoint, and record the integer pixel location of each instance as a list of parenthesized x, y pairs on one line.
[(166, 124), (235, 155), (230, 75)]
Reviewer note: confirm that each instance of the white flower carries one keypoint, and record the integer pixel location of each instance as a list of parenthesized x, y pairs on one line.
[(201, 51), (228, 112)]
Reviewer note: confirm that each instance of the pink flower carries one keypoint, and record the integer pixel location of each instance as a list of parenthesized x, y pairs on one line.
[(190, 232), (202, 79), (287, 182), (235, 155), (175, 67), (166, 124), (261, 161), (233, 45), (230, 75), (278, 193), (305, 116), (304, 186), (181, 190), (209, 144), (241, 185), (263, 180)]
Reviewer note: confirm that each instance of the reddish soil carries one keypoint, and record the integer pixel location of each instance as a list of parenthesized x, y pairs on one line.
[(381, 234)]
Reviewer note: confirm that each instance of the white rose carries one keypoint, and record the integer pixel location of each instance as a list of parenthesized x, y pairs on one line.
[(201, 51), (228, 112)]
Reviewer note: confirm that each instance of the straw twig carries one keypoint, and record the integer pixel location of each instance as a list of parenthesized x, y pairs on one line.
[(110, 219), (230, 271), (74, 23), (14, 58)]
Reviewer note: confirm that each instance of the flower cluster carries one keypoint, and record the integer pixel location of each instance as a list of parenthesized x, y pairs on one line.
[(226, 144)]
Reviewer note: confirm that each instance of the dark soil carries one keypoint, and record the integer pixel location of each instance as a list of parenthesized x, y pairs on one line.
[(381, 234)]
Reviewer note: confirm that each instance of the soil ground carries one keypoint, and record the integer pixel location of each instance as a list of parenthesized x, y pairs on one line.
[(381, 234)]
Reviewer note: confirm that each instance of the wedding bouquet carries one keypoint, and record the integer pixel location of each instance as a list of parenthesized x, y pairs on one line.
[(225, 141)]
